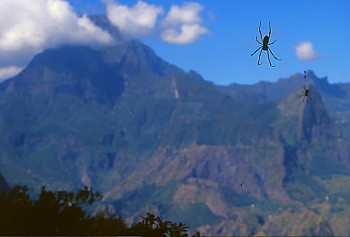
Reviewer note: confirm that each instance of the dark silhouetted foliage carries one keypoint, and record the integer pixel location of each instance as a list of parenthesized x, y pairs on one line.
[(64, 213)]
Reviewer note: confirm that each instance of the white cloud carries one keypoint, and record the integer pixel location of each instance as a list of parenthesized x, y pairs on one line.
[(28, 27), (137, 21), (183, 24), (8, 72), (44, 23), (187, 14), (186, 34), (305, 51)]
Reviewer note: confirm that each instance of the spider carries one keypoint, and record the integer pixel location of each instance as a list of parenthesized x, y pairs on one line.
[(306, 94), (262, 149), (265, 46)]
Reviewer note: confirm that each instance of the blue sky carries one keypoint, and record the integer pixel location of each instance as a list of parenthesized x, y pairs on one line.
[(214, 38), (223, 54)]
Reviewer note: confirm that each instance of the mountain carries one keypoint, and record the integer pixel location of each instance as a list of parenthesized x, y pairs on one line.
[(267, 91), (285, 86), (336, 97), (152, 137)]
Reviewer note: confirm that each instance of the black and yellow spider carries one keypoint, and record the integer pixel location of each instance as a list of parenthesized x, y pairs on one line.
[(306, 94), (265, 46)]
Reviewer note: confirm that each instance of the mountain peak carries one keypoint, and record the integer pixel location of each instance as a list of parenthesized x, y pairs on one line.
[(297, 102), (307, 113), (74, 70), (321, 83), (137, 57)]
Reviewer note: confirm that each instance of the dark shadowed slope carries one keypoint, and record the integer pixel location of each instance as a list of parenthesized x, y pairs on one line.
[(3, 185)]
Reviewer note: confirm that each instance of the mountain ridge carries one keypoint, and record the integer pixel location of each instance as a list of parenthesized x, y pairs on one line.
[(150, 136), (285, 86)]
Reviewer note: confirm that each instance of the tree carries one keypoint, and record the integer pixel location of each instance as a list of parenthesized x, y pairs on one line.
[(64, 213), (152, 226), (59, 213), (15, 211)]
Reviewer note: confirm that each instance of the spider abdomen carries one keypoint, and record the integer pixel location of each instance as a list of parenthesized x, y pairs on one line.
[(265, 43)]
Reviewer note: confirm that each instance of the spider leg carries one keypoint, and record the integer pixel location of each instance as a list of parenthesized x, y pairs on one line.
[(272, 42), (260, 32), (256, 50), (246, 176), (270, 30), (259, 57), (268, 56), (307, 99), (256, 38), (274, 55)]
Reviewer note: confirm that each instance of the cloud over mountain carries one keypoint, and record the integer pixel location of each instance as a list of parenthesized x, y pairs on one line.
[(27, 28), (6, 72), (45, 23), (136, 21)]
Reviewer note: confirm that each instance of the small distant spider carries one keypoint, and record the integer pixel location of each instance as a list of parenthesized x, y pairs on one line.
[(262, 149), (306, 94), (265, 46)]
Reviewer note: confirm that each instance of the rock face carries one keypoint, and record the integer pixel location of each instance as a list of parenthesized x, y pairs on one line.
[(309, 117), (150, 136)]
